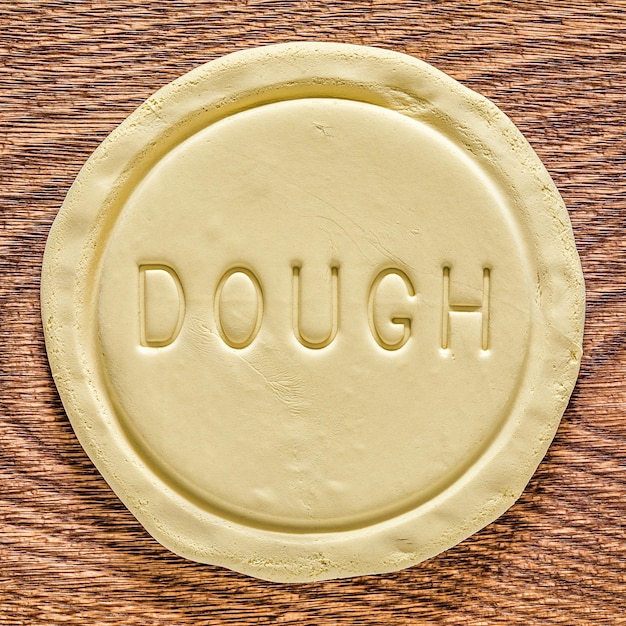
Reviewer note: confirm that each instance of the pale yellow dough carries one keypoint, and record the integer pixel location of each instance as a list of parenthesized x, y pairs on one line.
[(314, 311)]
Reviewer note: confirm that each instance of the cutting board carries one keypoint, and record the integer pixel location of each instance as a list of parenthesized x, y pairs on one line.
[(71, 553)]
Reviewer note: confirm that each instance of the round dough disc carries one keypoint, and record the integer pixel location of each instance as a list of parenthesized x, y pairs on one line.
[(314, 311)]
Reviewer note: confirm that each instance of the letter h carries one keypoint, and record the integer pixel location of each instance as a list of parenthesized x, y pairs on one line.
[(448, 307)]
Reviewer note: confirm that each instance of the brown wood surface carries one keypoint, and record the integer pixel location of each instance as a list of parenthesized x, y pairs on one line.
[(70, 553)]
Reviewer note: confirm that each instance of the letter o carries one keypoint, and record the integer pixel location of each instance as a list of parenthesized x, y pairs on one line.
[(238, 332)]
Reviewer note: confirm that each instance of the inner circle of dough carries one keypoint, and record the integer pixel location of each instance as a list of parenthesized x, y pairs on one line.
[(280, 435)]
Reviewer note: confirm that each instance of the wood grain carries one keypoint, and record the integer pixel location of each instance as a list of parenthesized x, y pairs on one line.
[(71, 553)]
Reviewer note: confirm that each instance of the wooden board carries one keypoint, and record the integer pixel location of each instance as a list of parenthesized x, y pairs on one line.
[(70, 553)]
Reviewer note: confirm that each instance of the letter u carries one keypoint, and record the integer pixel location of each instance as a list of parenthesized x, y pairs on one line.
[(297, 310)]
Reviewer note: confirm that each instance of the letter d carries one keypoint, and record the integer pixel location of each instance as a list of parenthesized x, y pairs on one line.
[(161, 305)]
